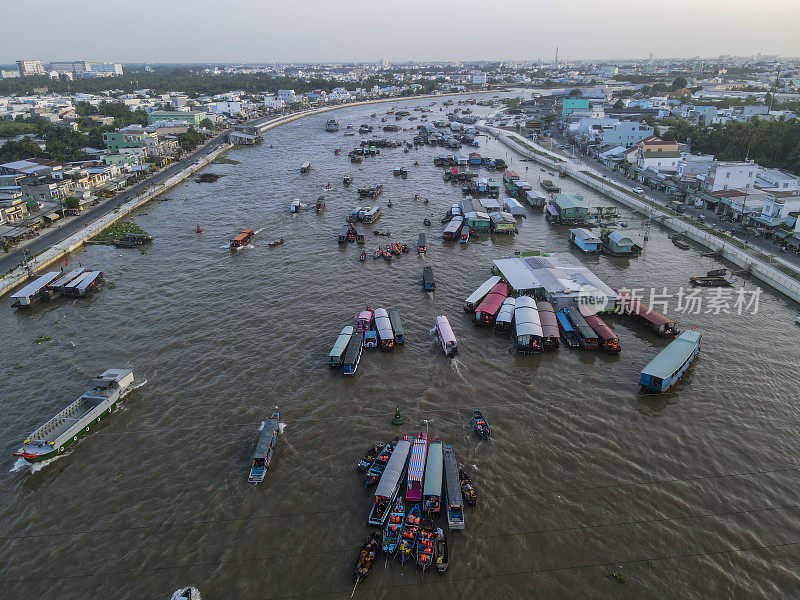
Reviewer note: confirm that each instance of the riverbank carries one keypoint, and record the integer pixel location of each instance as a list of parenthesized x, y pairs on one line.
[(783, 278)]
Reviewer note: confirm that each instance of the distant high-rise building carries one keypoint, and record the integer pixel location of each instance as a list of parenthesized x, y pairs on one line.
[(28, 68), (478, 78), (384, 63)]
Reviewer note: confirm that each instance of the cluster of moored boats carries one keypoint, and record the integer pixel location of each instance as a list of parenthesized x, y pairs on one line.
[(53, 284), (418, 483)]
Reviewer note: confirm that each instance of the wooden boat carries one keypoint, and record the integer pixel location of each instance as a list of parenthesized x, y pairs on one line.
[(198, 229), (320, 206), (434, 468), (369, 457), (454, 500), (347, 179), (440, 551), (567, 330), (631, 305), (446, 337), (408, 537), (480, 425), (549, 186), (609, 341), (353, 354), (416, 468), (710, 281), (241, 240), (467, 489), (422, 245), (397, 326), (426, 222), (305, 168), (551, 338), (488, 308), (367, 555), (717, 273), (394, 527), (586, 336), (504, 318), (389, 485), (428, 282), (362, 257), (475, 297), (680, 243), (264, 448), (276, 243), (336, 355), (424, 549), (671, 363), (378, 465)]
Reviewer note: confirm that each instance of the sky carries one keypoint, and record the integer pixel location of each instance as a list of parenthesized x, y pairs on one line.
[(264, 31)]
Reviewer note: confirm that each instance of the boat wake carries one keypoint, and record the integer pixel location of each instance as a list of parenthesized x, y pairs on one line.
[(281, 426), (21, 465), (136, 386), (458, 367), (257, 231), (186, 593)]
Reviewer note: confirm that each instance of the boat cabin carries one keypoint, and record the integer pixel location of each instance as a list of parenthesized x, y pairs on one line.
[(585, 240), (509, 176), (506, 315), (336, 355), (446, 336), (36, 290), (535, 199), (397, 326), (586, 335), (513, 207), (608, 340), (383, 327), (427, 279), (475, 297), (528, 326), (305, 167), (364, 320), (619, 244), (489, 307), (503, 222), (352, 355), (464, 235), (372, 215), (343, 234), (262, 455)]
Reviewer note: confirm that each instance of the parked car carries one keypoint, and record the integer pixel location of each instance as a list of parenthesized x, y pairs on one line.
[(638, 190)]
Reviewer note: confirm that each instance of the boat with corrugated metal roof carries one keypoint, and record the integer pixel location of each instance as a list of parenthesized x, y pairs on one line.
[(78, 418), (631, 305), (671, 363), (527, 326), (383, 326), (353, 354), (397, 326), (432, 491), (547, 317), (389, 485), (506, 315), (36, 290), (587, 338), (475, 297), (567, 329), (416, 468), (241, 239), (336, 355), (262, 455), (609, 341), (487, 310), (454, 499), (446, 337)]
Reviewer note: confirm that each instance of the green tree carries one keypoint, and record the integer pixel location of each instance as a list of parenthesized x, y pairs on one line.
[(576, 92), (207, 124), (72, 202), (678, 83)]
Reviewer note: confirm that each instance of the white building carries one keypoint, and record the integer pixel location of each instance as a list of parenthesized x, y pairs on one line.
[(731, 176), (28, 68), (775, 179), (270, 102), (478, 78), (288, 96), (692, 165)]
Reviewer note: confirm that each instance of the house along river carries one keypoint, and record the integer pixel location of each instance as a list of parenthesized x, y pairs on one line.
[(691, 494)]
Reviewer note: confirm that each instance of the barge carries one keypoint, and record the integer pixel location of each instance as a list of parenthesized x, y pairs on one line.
[(264, 447), (630, 305), (416, 468), (432, 491), (671, 363), (79, 417), (389, 485), (455, 501)]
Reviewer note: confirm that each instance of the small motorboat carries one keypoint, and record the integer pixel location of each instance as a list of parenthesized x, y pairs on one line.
[(390, 204), (394, 527), (404, 248), (426, 222), (367, 555), (363, 257), (416, 163), (198, 229), (425, 547), (480, 424), (623, 224), (378, 465), (369, 457), (467, 489), (336, 151), (277, 242), (440, 552), (408, 537), (347, 179)]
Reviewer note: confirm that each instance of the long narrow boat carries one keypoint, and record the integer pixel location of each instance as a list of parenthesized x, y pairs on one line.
[(383, 325), (353, 354), (397, 325), (242, 239), (551, 339), (76, 419), (408, 537), (475, 297), (336, 355), (489, 307), (481, 426), (394, 527), (455, 501), (416, 468), (671, 363), (609, 341), (366, 556), (422, 244), (375, 470), (441, 554), (567, 330), (425, 547), (428, 282), (528, 328), (631, 305), (446, 337), (467, 489), (432, 491), (585, 334), (371, 454), (264, 447), (506, 315), (38, 289), (389, 485)]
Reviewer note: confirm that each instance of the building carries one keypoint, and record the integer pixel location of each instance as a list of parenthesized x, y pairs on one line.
[(567, 209), (287, 96), (115, 140), (692, 165), (585, 240), (658, 155), (478, 78), (190, 117), (731, 176), (570, 105), (558, 278), (777, 180), (29, 68), (626, 133)]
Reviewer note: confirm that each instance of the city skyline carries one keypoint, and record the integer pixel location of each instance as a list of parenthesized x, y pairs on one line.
[(248, 32)]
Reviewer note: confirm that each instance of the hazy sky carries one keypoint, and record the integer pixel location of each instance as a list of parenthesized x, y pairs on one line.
[(346, 30)]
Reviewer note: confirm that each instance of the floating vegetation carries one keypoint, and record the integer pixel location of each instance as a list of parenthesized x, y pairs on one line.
[(223, 160), (618, 576), (115, 231), (111, 285), (42, 338)]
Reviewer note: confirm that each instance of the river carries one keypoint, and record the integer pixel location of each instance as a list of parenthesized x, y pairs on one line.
[(584, 475)]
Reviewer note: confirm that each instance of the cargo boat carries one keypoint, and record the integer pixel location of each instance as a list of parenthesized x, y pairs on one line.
[(352, 355), (389, 485), (422, 244), (397, 325), (383, 326), (453, 229), (506, 315), (475, 297), (671, 363), (630, 305), (609, 341), (427, 279), (528, 327), (585, 334), (241, 240), (567, 330), (489, 307), (547, 317), (416, 468), (76, 419), (446, 337), (264, 447), (336, 355), (455, 501), (432, 490), (36, 290)]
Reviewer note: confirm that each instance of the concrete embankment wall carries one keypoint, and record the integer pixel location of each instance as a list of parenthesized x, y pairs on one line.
[(725, 249), (75, 241)]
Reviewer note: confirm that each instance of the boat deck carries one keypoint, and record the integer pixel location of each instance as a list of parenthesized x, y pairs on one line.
[(59, 424)]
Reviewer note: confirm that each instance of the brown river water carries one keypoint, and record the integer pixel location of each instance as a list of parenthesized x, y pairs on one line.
[(691, 494)]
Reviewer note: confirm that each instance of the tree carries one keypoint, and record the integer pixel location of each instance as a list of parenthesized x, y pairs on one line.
[(549, 119), (576, 93), (206, 124), (678, 83), (72, 202), (619, 104)]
